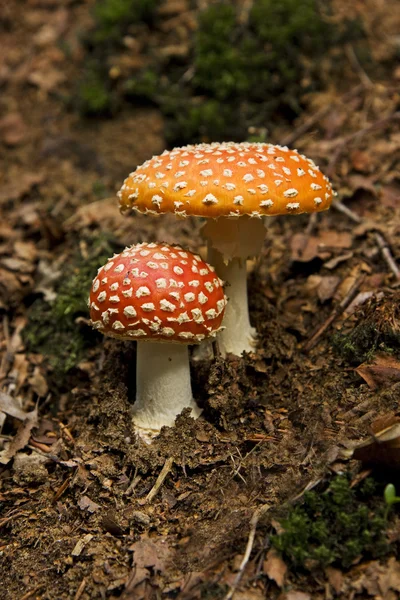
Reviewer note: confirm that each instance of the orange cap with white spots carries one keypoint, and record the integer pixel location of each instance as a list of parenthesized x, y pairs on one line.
[(227, 179)]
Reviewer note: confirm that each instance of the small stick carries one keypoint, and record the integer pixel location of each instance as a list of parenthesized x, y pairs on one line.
[(30, 593), (258, 513), (4, 360), (387, 255), (338, 310), (380, 240), (67, 432), (342, 143), (43, 447), (346, 211), (11, 517), (320, 114), (80, 589), (304, 127), (160, 479), (355, 63), (133, 484), (62, 488)]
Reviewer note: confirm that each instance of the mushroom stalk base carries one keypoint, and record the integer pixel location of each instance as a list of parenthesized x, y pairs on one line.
[(163, 387), (238, 336)]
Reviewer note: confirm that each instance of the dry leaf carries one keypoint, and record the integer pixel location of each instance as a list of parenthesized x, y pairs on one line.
[(334, 262), (150, 554), (335, 239), (38, 383), (80, 544), (384, 446), (9, 406), (390, 579), (19, 371), (101, 213), (275, 568), (384, 371), (360, 299), (20, 187), (327, 287), (135, 578), (12, 129), (25, 250), (361, 161), (335, 578), (306, 248), (390, 195), (85, 503), (46, 80), (21, 438), (295, 595)]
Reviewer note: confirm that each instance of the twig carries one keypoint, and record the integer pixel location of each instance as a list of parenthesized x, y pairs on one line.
[(64, 486), (380, 240), (80, 589), (160, 479), (11, 517), (355, 63), (4, 360), (346, 211), (130, 489), (312, 221), (356, 136), (338, 310), (387, 255), (30, 593), (258, 513), (304, 127), (320, 114)]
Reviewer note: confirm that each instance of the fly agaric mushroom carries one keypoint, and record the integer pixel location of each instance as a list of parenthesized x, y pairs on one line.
[(156, 293), (236, 185)]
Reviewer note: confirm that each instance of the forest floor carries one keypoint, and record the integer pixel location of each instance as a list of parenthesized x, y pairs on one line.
[(83, 514)]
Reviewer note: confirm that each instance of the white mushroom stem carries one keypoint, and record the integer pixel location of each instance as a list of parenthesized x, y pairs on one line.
[(163, 387), (238, 336), (230, 243)]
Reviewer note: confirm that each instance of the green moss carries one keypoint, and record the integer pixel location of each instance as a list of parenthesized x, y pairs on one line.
[(63, 347), (219, 63), (295, 25), (377, 329), (113, 16), (94, 95), (196, 121), (52, 329), (334, 527), (241, 74), (245, 74), (145, 86)]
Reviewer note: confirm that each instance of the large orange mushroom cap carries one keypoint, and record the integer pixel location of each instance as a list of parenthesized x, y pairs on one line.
[(227, 179)]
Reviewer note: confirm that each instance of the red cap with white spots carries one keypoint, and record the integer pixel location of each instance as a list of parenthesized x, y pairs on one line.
[(157, 292), (227, 180)]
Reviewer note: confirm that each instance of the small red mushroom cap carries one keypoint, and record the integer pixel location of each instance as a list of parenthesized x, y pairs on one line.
[(157, 292)]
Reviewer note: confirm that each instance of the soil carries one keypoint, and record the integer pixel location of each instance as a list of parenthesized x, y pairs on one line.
[(76, 517)]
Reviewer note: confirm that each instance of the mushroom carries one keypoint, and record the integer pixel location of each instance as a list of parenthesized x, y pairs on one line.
[(237, 185), (165, 298)]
